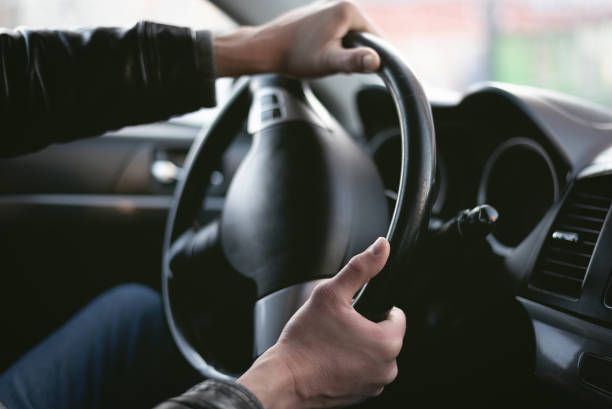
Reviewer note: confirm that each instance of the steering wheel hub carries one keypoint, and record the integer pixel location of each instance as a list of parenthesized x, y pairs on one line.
[(298, 195)]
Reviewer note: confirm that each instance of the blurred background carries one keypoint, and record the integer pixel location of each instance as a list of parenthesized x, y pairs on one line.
[(557, 44)]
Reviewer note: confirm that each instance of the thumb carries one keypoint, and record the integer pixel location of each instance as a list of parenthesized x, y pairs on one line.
[(361, 268), (361, 59)]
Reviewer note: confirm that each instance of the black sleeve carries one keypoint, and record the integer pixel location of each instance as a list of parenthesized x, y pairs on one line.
[(57, 86), (214, 395)]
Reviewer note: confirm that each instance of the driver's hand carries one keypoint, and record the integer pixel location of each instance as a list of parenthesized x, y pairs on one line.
[(305, 42), (328, 354)]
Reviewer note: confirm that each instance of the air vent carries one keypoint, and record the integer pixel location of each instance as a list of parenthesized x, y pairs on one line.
[(566, 254)]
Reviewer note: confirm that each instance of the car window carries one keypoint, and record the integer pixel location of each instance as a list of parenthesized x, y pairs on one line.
[(556, 44), (87, 13)]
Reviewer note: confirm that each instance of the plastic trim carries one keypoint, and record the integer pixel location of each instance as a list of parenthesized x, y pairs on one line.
[(490, 164)]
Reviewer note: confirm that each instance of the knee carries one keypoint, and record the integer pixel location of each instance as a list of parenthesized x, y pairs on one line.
[(131, 294), (129, 304)]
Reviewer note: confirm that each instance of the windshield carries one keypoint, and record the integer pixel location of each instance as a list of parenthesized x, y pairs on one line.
[(556, 44), (119, 13)]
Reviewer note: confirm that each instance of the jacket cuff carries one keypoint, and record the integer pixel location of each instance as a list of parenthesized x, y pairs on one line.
[(214, 395), (206, 66)]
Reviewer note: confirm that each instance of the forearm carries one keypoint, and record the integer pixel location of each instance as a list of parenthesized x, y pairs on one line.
[(244, 52), (61, 85)]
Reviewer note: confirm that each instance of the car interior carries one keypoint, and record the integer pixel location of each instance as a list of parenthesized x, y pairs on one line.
[(513, 309)]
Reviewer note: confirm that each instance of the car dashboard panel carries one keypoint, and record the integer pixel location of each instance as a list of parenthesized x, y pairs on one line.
[(544, 161)]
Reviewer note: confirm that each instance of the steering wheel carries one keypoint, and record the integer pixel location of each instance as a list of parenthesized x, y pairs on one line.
[(303, 201)]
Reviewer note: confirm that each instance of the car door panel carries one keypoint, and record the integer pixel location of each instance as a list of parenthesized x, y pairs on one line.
[(77, 219)]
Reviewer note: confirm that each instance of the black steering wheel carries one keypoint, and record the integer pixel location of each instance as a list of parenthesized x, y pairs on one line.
[(303, 201)]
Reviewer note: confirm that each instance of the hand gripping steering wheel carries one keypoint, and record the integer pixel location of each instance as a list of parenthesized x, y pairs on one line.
[(303, 201)]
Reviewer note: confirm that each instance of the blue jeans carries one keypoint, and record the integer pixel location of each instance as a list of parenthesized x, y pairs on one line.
[(116, 352)]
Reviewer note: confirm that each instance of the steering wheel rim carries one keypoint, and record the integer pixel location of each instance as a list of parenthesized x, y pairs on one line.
[(409, 218), (417, 177)]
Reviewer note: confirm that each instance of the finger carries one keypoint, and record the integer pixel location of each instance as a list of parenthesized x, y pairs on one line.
[(395, 323), (354, 18), (361, 268), (363, 23), (378, 391), (361, 59)]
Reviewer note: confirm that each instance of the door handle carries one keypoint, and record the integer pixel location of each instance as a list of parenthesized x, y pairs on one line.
[(166, 172)]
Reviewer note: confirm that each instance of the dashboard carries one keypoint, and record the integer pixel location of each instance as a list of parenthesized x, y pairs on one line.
[(544, 161)]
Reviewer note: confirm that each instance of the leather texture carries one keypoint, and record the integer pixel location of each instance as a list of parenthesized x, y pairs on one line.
[(214, 395), (416, 190), (56, 86)]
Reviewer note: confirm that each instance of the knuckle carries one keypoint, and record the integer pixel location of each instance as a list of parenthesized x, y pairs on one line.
[(392, 348), (355, 62), (391, 373), (345, 9), (323, 294), (400, 314), (327, 60), (357, 264)]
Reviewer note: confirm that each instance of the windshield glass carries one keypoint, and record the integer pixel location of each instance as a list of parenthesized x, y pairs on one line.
[(556, 44), (119, 13)]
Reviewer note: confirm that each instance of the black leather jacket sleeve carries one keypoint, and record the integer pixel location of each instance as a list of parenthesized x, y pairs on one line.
[(214, 395), (57, 86)]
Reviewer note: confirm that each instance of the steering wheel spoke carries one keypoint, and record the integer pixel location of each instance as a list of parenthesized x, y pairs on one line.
[(203, 275), (274, 310), (214, 297), (196, 250)]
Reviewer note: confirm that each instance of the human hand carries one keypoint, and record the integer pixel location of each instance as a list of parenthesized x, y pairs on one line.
[(306, 42), (328, 354)]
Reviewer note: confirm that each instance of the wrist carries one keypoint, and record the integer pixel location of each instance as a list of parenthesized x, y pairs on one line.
[(247, 50), (270, 379)]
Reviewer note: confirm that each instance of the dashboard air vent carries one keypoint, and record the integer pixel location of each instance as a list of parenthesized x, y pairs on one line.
[(563, 262)]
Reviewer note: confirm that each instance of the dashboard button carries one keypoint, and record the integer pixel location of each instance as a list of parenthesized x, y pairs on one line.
[(270, 114), (269, 99)]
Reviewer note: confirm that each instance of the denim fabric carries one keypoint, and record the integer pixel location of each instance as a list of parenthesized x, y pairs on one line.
[(117, 352)]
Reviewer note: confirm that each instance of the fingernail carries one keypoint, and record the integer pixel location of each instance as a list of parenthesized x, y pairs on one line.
[(368, 63), (377, 246)]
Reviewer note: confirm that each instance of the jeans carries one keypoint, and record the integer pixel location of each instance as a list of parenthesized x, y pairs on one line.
[(116, 352)]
